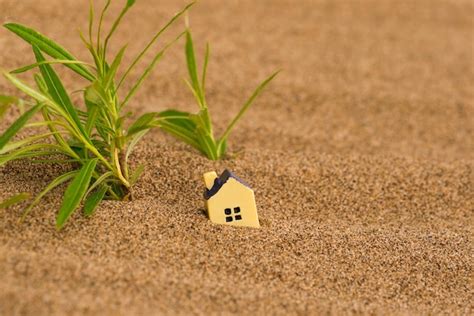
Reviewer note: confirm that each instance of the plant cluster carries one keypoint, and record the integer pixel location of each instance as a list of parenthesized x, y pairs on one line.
[(99, 136)]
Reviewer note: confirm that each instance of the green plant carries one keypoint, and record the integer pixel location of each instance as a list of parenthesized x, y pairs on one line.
[(196, 129), (94, 138)]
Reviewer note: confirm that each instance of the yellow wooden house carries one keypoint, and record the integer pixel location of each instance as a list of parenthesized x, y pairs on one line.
[(229, 200)]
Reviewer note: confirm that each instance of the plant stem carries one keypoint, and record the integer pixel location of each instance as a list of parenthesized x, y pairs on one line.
[(119, 169)]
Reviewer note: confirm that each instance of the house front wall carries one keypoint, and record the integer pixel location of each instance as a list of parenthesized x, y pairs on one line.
[(234, 204)]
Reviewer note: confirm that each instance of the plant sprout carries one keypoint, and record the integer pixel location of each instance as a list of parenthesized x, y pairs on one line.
[(196, 129), (94, 138)]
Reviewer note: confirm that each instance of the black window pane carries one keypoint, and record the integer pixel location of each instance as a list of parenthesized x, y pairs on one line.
[(238, 217), (236, 210), (228, 219), (227, 211)]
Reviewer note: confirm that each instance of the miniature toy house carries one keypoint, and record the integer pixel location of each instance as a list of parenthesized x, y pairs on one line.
[(229, 200)]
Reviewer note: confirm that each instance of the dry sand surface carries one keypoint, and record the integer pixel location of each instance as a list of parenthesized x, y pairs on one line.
[(361, 155)]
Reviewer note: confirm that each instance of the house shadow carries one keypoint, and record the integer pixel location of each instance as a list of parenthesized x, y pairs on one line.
[(202, 212)]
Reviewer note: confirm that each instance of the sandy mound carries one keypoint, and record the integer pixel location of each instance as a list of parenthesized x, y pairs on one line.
[(360, 154)]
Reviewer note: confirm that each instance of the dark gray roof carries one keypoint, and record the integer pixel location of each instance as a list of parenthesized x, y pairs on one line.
[(220, 181)]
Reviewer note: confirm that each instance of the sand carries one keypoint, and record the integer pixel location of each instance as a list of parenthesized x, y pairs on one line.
[(360, 154)]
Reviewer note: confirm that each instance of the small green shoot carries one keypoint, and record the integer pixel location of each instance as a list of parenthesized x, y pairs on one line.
[(95, 137), (14, 200), (196, 129), (5, 103)]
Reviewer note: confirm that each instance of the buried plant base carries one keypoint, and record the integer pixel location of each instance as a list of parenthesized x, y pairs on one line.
[(97, 137)]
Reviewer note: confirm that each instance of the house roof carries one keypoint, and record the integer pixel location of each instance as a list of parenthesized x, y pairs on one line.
[(219, 183)]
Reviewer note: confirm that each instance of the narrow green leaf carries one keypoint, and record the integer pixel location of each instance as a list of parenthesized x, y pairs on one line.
[(75, 192), (25, 88), (195, 94), (180, 133), (34, 150), (247, 105), (147, 71), (136, 174), (26, 154), (109, 78), (91, 20), (152, 41), (142, 123), (178, 118), (191, 63), (203, 120), (3, 109), (52, 126), (133, 142), (142, 78), (19, 123), (14, 200), (42, 87), (92, 101), (101, 19), (48, 62), (6, 99), (207, 145), (105, 132), (204, 69), (90, 47), (94, 94), (56, 182), (93, 200), (222, 148), (14, 145), (49, 47), (180, 125), (100, 181), (92, 112), (115, 25), (43, 123), (57, 90)]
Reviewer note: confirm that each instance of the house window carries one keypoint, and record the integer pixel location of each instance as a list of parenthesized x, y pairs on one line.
[(232, 214)]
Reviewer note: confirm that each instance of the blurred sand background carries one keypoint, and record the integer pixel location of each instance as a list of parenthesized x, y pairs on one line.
[(360, 153)]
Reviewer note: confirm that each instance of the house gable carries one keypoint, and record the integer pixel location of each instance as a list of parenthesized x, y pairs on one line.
[(219, 183)]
